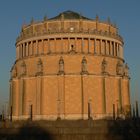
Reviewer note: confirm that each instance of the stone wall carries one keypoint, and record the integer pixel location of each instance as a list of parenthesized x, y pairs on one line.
[(71, 130)]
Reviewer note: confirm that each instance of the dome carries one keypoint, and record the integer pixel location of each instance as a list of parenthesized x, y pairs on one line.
[(70, 15)]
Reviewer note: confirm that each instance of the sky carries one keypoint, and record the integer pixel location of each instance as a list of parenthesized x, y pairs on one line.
[(15, 13)]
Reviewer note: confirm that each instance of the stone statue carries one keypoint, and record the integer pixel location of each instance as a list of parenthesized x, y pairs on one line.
[(84, 66), (45, 18), (119, 68), (104, 66), (32, 20), (23, 69), (61, 65), (62, 16), (15, 72), (126, 70), (72, 49), (39, 67)]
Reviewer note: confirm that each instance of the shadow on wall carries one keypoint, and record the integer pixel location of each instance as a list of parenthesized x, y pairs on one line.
[(126, 130), (73, 130), (30, 133)]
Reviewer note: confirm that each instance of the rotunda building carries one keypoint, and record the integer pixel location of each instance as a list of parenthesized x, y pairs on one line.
[(69, 67)]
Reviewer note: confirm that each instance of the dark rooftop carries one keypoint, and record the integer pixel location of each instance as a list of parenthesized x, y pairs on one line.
[(69, 15)]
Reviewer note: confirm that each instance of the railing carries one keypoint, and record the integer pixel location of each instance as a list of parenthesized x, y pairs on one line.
[(91, 32)]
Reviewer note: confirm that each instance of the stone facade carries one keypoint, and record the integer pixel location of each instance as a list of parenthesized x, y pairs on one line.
[(69, 67)]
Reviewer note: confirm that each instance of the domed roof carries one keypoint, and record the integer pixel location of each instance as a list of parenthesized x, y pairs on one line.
[(70, 15)]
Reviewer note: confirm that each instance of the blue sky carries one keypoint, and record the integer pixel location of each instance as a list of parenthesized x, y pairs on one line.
[(13, 13)]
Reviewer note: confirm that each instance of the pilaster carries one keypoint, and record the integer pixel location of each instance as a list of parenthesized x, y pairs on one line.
[(104, 95), (95, 46)]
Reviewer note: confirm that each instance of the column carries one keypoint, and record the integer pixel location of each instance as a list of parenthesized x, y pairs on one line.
[(128, 87), (21, 91), (103, 95), (105, 47), (22, 50), (89, 45), (62, 45), (68, 44), (42, 47), (82, 48), (110, 48), (120, 94), (126, 96), (10, 98), (49, 47), (75, 47), (47, 26), (61, 96), (55, 45), (27, 49), (13, 98), (82, 96), (122, 50), (116, 48), (42, 96), (115, 45), (17, 52), (38, 94), (100, 46), (24, 99), (37, 48), (94, 45), (109, 51), (30, 48)]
